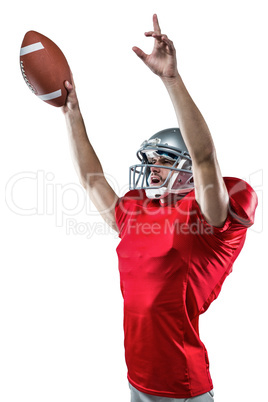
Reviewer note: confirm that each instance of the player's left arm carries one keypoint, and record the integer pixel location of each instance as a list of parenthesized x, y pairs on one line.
[(210, 191)]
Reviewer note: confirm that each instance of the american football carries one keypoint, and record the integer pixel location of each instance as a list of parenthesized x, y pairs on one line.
[(44, 68)]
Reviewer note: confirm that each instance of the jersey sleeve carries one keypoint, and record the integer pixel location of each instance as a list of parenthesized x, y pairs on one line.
[(243, 202), (119, 214), (242, 205), (125, 208)]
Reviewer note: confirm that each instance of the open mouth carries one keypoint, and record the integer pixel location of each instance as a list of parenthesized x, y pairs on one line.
[(155, 180)]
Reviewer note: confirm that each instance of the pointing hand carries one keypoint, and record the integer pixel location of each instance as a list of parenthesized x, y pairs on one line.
[(162, 61)]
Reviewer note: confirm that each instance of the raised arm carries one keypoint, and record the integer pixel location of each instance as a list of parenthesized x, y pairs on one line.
[(86, 162), (210, 190)]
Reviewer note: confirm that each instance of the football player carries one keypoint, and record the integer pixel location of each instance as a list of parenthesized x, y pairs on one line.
[(182, 225)]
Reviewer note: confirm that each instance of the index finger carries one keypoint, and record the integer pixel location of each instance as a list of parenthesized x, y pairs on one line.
[(156, 25)]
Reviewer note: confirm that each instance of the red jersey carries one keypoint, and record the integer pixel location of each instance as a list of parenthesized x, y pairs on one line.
[(172, 265)]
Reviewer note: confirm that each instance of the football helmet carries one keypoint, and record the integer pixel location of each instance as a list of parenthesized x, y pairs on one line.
[(169, 144)]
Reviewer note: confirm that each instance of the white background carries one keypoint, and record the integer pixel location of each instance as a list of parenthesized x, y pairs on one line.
[(61, 310)]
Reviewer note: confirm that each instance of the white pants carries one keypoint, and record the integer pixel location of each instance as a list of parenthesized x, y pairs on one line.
[(137, 396)]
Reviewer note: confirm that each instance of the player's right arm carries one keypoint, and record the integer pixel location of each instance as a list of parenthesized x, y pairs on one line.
[(86, 162)]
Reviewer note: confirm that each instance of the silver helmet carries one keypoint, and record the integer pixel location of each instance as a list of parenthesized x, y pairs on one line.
[(170, 145)]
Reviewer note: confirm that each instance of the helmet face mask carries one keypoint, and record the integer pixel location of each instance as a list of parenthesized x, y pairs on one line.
[(167, 144)]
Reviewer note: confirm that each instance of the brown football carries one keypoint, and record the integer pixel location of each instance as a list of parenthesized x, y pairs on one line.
[(44, 68)]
